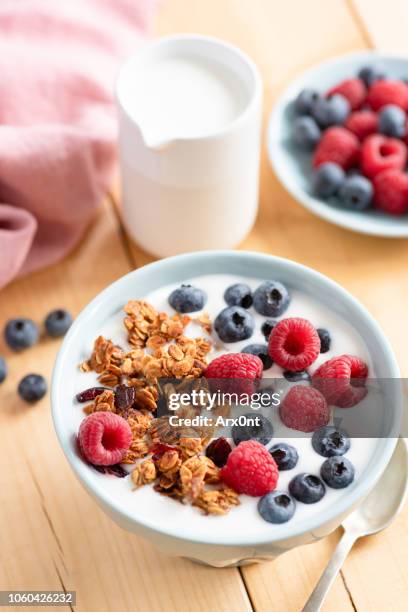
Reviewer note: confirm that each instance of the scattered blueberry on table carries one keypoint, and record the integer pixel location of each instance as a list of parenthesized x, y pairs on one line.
[(3, 369), (58, 322), (32, 388), (21, 333)]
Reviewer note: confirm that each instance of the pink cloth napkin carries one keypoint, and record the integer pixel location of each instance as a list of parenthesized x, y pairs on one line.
[(58, 62)]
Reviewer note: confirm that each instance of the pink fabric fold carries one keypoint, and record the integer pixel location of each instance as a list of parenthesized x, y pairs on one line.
[(58, 63)]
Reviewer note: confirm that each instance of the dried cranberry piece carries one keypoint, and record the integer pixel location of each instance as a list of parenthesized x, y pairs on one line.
[(89, 394), (124, 397), (160, 448), (115, 470), (218, 450)]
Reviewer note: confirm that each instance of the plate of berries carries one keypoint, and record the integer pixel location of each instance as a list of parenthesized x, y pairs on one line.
[(338, 141)]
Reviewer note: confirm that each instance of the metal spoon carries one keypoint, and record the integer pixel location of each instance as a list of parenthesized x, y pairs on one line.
[(375, 513)]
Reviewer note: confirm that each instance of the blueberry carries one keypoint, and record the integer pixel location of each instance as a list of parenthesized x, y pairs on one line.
[(187, 299), (21, 333), (58, 322), (267, 327), (328, 179), (307, 488), (262, 432), (356, 193), (32, 387), (276, 507), (391, 121), (239, 295), (329, 441), (325, 339), (300, 376), (234, 324), (331, 111), (306, 133), (305, 101), (337, 472), (3, 369), (285, 455), (271, 299), (370, 74), (261, 351)]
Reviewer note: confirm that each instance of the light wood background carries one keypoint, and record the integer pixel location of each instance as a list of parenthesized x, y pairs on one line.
[(52, 536)]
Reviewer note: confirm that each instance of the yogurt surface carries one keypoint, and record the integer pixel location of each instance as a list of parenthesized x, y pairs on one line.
[(146, 504)]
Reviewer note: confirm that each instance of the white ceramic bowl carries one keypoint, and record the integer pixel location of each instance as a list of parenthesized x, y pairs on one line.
[(293, 167), (222, 547)]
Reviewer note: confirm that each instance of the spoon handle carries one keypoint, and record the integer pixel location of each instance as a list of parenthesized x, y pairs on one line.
[(316, 599)]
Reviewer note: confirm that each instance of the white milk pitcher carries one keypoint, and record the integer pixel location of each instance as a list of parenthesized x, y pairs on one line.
[(190, 119)]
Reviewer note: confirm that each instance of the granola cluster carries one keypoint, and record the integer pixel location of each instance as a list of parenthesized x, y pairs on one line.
[(173, 457)]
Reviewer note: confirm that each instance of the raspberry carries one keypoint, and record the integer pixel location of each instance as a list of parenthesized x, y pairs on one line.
[(250, 469), (362, 123), (380, 153), (339, 146), (104, 438), (353, 90), (294, 344), (342, 380), (304, 409), (239, 369), (386, 92), (391, 192)]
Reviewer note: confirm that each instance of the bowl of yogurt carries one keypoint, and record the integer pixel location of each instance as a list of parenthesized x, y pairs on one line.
[(240, 535)]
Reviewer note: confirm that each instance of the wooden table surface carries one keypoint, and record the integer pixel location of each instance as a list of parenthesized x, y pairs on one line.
[(52, 535)]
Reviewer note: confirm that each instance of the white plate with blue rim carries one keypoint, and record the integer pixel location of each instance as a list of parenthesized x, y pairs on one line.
[(293, 167)]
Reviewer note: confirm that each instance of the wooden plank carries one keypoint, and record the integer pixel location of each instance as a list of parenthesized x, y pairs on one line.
[(384, 23), (53, 535)]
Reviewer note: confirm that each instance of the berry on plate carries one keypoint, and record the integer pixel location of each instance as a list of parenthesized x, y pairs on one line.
[(307, 488), (305, 101), (262, 432), (233, 324), (261, 350), (3, 369), (306, 133), (337, 472), (354, 90), (57, 322), (327, 179), (391, 121), (20, 333), (356, 193), (391, 192), (285, 455), (370, 74), (294, 344), (250, 469), (339, 146), (32, 388), (331, 111), (342, 380), (362, 123), (239, 294), (379, 153), (239, 371), (388, 91), (187, 299), (299, 376), (271, 299), (304, 409), (276, 507), (330, 441), (218, 451), (104, 438), (325, 339), (267, 327)]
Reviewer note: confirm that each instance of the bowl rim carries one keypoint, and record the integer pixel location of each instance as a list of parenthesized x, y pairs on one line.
[(353, 221), (87, 477)]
